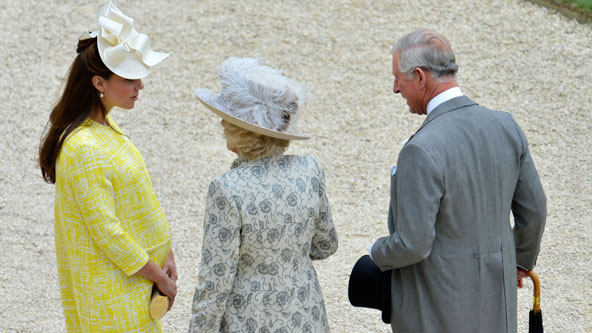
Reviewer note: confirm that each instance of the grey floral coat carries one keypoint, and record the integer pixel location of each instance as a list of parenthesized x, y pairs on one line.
[(265, 222)]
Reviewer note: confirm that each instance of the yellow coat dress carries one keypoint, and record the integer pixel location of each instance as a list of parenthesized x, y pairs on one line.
[(108, 222)]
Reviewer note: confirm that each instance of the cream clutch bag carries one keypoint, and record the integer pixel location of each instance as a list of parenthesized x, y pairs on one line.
[(159, 304)]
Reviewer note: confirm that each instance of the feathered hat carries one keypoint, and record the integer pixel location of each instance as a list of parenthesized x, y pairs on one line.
[(257, 98)]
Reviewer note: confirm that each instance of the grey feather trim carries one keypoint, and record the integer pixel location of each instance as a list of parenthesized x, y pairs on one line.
[(260, 94)]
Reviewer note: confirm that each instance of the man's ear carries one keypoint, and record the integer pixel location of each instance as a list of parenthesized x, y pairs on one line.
[(99, 83), (422, 77)]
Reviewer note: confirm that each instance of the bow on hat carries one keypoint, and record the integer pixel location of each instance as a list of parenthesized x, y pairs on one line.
[(123, 50)]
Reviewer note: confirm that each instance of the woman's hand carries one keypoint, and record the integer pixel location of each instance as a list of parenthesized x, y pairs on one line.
[(163, 282), (169, 268), (167, 287)]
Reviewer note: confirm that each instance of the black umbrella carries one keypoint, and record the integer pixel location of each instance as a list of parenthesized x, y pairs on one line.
[(535, 316)]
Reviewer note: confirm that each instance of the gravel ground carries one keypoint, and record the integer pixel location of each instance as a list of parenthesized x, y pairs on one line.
[(513, 55)]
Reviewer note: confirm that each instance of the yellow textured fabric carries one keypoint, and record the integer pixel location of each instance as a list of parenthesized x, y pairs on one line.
[(108, 222)]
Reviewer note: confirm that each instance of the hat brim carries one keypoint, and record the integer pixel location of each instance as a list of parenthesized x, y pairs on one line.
[(208, 98)]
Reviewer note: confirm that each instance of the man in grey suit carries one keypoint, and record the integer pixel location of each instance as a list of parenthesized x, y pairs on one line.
[(452, 249)]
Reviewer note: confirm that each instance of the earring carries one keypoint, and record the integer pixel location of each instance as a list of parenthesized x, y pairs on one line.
[(101, 95)]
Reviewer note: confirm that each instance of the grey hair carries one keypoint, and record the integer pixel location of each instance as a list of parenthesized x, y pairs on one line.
[(427, 50)]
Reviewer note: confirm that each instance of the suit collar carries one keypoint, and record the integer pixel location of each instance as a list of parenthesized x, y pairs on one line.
[(442, 97), (448, 106)]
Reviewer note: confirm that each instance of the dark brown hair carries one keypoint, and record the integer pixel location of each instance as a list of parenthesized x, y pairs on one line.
[(79, 99)]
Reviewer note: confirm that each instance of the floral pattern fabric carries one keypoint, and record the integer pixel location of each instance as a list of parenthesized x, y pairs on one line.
[(265, 221)]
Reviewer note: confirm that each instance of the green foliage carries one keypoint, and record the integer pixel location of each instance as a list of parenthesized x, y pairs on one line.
[(585, 4)]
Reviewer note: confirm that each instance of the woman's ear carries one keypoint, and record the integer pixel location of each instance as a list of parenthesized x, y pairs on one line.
[(99, 83)]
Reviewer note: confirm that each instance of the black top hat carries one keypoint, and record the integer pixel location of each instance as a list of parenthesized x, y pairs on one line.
[(369, 287)]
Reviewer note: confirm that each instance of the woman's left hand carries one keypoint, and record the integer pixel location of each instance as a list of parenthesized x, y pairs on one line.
[(169, 268)]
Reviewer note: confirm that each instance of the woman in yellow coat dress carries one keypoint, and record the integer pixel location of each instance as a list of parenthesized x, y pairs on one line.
[(112, 240)]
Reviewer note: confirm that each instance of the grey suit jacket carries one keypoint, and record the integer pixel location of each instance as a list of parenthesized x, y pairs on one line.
[(452, 248)]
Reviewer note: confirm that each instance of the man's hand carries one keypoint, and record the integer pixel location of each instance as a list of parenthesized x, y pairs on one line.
[(522, 273)]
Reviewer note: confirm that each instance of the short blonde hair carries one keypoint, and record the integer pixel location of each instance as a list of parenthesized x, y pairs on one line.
[(252, 146)]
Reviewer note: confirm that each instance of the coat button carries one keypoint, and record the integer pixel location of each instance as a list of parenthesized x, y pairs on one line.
[(476, 255)]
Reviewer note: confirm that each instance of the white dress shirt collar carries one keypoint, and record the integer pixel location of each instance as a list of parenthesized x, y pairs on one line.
[(443, 97)]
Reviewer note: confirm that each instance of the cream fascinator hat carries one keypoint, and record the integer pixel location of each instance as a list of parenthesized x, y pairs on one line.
[(257, 98), (123, 50)]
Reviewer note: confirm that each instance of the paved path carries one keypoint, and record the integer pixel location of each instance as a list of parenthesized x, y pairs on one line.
[(513, 55)]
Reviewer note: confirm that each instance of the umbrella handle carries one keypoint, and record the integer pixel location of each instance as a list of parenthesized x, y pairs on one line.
[(537, 291)]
